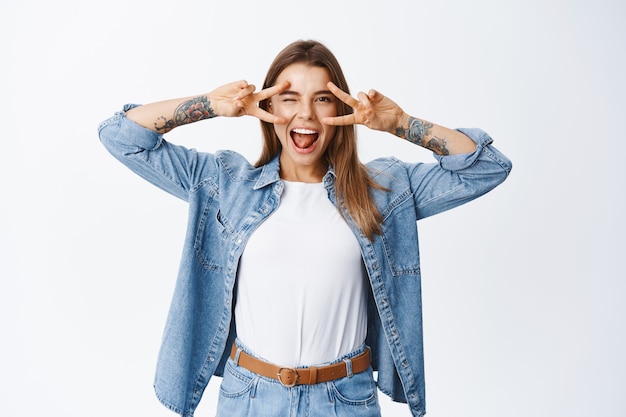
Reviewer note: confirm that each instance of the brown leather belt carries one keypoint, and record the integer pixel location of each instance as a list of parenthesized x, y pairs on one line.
[(290, 377)]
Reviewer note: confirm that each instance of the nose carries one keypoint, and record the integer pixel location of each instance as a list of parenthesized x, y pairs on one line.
[(305, 111)]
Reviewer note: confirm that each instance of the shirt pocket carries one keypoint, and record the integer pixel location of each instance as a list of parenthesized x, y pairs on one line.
[(399, 236), (212, 232)]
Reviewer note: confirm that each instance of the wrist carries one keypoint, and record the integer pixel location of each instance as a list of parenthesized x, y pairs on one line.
[(402, 125)]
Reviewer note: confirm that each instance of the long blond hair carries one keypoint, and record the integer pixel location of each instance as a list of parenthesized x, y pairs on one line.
[(353, 182)]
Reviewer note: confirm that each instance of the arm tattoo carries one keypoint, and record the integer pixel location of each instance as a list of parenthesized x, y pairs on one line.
[(438, 146), (418, 131), (198, 108)]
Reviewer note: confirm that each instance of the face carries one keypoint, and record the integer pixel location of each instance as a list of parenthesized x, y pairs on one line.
[(304, 138)]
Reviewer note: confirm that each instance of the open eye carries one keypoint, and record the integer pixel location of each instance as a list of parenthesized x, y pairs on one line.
[(325, 99)]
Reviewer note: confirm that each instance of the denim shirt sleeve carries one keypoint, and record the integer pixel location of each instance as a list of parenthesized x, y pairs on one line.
[(457, 179), (461, 161), (173, 168)]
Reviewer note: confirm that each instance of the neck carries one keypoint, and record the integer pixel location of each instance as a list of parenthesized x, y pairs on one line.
[(302, 173)]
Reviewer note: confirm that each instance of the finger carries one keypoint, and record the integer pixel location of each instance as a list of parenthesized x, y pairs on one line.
[(245, 90), (241, 84), (364, 99), (272, 91), (342, 95), (375, 96), (346, 120), (268, 117)]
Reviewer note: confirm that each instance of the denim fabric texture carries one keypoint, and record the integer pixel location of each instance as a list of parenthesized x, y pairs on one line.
[(228, 198), (244, 393)]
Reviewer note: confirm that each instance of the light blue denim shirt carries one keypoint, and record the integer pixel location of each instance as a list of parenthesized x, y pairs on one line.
[(229, 198)]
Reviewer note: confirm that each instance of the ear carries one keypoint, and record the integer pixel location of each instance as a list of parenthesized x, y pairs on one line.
[(270, 108)]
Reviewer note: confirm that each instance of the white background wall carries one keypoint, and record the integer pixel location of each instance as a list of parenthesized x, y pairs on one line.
[(523, 289)]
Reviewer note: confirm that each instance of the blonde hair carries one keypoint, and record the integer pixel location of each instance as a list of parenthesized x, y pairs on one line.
[(353, 182)]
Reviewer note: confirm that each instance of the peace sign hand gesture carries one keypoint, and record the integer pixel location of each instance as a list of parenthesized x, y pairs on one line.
[(373, 110), (239, 98)]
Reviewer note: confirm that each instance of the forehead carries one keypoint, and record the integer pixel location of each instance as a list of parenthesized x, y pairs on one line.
[(301, 75)]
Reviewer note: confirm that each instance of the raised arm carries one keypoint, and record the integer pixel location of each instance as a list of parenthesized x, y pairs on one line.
[(231, 100), (378, 112)]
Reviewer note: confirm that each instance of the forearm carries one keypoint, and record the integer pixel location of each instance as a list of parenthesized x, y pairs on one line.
[(439, 139), (163, 116)]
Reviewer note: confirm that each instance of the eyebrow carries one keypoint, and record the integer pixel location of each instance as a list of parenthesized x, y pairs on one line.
[(295, 93)]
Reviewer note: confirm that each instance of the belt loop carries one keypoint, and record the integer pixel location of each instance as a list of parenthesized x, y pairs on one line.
[(312, 375), (236, 359), (348, 362)]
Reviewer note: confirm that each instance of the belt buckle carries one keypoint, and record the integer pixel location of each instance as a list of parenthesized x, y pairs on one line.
[(291, 374)]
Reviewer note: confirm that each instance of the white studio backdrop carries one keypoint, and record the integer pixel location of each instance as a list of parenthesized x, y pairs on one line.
[(523, 288)]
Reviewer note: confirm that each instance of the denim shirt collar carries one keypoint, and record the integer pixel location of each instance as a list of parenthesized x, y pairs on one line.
[(270, 173)]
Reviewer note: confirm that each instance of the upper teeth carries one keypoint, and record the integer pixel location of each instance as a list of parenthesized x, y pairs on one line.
[(305, 131)]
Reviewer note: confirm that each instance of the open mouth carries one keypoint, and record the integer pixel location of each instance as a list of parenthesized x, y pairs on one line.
[(304, 138)]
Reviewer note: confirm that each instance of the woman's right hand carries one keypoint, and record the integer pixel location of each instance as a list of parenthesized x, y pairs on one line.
[(239, 99)]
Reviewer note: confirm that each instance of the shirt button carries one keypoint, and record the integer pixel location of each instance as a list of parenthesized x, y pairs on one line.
[(239, 241)]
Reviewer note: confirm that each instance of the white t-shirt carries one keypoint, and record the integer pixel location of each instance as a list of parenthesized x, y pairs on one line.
[(301, 296)]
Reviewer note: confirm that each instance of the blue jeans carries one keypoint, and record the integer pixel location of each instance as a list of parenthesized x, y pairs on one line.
[(244, 393)]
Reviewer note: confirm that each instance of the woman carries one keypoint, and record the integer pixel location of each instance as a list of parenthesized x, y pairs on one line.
[(300, 275)]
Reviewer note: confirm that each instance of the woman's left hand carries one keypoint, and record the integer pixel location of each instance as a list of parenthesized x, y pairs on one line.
[(373, 110)]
